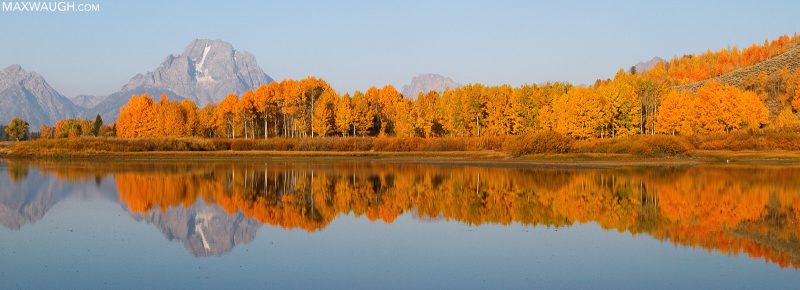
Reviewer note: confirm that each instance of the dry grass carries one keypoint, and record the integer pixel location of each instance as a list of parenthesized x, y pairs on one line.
[(641, 145), (535, 143), (93, 145), (744, 140)]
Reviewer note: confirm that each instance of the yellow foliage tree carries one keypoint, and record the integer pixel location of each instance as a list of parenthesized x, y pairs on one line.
[(724, 108), (677, 112), (787, 120), (344, 115)]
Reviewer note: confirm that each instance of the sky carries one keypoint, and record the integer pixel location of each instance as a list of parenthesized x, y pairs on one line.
[(357, 44)]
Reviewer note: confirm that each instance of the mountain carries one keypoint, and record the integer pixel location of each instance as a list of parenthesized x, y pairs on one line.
[(206, 72), (27, 95), (425, 83), (644, 66), (86, 101)]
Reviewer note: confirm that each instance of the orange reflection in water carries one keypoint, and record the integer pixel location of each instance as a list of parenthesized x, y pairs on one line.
[(751, 210)]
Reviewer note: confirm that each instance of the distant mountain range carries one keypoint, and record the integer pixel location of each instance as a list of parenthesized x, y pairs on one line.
[(644, 66), (206, 71), (425, 83)]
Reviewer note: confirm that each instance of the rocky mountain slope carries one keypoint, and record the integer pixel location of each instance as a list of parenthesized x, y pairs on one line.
[(27, 95)]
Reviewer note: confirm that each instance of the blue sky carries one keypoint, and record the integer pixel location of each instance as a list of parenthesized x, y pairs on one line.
[(357, 44)]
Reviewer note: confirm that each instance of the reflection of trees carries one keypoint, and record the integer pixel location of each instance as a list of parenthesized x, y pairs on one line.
[(17, 173), (727, 209)]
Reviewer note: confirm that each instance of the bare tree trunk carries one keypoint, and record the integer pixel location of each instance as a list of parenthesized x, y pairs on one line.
[(644, 121), (233, 129), (312, 120), (655, 115)]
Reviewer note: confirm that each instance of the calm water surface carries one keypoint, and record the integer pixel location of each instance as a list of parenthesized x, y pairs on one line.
[(375, 225)]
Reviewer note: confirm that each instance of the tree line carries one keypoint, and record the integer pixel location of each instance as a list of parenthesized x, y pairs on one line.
[(626, 105), (630, 103)]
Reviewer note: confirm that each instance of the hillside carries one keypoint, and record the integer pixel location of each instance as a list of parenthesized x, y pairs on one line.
[(789, 60)]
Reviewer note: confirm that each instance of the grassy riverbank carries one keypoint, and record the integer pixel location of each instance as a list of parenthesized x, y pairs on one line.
[(532, 149)]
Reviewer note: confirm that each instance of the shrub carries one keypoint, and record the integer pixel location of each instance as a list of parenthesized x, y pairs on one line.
[(618, 145), (444, 144), (221, 144), (495, 143), (397, 144), (661, 145), (539, 142)]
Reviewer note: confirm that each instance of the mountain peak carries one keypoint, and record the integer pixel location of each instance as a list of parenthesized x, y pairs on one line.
[(13, 68), (205, 72), (428, 82), (201, 43), (16, 73)]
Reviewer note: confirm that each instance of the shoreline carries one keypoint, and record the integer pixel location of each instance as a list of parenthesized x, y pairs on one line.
[(463, 158)]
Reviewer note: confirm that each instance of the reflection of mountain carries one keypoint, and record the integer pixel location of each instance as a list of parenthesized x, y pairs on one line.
[(26, 195), (204, 229), (213, 207)]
